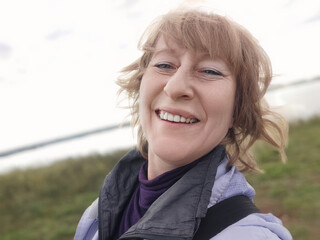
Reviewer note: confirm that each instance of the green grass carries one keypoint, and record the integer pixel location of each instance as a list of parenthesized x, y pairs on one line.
[(47, 203), (292, 190)]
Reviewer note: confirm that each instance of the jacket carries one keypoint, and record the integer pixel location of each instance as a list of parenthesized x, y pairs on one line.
[(177, 213)]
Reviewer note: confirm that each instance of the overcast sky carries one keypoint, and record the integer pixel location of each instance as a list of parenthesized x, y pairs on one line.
[(59, 58)]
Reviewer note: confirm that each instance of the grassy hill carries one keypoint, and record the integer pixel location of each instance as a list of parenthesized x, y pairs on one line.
[(292, 190), (47, 203)]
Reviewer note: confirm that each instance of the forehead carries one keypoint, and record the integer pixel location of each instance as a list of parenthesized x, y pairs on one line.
[(174, 47), (167, 45)]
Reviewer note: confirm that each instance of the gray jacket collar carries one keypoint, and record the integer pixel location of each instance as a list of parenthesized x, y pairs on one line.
[(175, 214)]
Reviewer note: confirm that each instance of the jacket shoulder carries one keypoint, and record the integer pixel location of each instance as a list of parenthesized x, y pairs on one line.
[(88, 225), (256, 226)]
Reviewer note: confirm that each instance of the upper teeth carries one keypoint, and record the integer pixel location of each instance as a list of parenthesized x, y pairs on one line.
[(175, 118)]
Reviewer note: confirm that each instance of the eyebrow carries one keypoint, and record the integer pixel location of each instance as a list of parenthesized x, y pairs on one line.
[(164, 50), (203, 55)]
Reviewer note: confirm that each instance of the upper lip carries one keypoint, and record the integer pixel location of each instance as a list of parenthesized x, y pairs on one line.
[(179, 112)]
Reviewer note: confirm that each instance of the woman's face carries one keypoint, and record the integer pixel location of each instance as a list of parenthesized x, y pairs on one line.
[(185, 107)]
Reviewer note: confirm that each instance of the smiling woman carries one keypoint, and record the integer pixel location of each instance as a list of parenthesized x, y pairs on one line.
[(197, 100), (182, 83)]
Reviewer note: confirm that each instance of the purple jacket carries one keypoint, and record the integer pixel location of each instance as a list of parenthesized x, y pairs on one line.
[(228, 182)]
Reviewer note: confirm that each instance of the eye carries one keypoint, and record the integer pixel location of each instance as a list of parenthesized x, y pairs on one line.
[(212, 72), (164, 66)]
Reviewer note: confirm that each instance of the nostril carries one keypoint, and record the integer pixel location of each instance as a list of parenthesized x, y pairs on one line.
[(178, 90)]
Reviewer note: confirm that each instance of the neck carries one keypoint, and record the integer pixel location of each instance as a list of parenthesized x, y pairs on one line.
[(158, 166)]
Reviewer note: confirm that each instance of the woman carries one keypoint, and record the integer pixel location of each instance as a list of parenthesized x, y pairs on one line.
[(197, 100)]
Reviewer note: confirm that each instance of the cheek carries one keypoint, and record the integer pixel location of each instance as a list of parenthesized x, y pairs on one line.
[(144, 98), (145, 102), (220, 106), (142, 104), (150, 88), (144, 91)]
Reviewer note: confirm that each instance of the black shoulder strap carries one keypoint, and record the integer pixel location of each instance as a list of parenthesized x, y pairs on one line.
[(224, 214)]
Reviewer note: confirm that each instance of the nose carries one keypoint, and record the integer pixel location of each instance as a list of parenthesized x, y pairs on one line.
[(179, 85)]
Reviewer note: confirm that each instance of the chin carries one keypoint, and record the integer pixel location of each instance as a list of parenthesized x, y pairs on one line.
[(174, 154)]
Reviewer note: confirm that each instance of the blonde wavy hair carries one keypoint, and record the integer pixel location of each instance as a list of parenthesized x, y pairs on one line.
[(229, 41)]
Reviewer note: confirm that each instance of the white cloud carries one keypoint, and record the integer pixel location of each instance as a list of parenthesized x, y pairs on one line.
[(5, 51), (51, 88), (59, 33)]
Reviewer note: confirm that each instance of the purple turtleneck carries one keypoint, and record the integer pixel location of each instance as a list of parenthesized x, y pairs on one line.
[(147, 192)]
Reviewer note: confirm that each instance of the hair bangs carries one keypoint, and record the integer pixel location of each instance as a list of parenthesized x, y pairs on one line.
[(198, 31)]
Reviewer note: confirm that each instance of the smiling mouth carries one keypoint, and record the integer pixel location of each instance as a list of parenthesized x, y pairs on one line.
[(175, 118)]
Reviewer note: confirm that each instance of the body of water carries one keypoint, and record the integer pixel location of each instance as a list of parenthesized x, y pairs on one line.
[(298, 102)]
